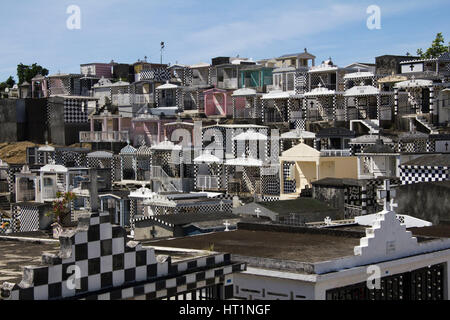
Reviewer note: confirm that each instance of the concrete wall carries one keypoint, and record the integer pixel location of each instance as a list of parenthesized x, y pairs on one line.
[(36, 117), (427, 201), (23, 119), (344, 167), (11, 130), (333, 196), (56, 126), (72, 132)]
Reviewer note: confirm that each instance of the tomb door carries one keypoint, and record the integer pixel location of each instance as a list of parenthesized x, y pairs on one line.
[(425, 108)]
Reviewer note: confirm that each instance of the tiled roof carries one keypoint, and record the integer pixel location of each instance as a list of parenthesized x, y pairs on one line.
[(435, 160)]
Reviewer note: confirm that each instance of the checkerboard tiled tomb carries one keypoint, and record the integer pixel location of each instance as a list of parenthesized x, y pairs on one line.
[(95, 261)]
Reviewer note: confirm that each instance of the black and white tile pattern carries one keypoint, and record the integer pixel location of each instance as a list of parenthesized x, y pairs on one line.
[(416, 174), (96, 262)]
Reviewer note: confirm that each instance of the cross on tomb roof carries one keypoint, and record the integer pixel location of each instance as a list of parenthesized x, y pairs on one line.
[(387, 194), (227, 224), (257, 211)]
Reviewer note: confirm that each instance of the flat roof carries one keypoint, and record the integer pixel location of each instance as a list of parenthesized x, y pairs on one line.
[(438, 231), (300, 205), (434, 160), (336, 182), (14, 255), (299, 247)]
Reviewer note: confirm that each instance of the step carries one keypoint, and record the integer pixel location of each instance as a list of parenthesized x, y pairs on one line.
[(426, 124)]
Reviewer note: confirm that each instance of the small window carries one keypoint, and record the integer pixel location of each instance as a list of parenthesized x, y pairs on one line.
[(48, 182), (234, 73)]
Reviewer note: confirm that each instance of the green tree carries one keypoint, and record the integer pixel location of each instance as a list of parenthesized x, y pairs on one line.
[(437, 48), (26, 73), (10, 82)]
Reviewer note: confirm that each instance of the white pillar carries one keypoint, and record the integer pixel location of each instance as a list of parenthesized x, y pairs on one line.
[(67, 182), (36, 189), (358, 163), (42, 186), (317, 170), (122, 213), (281, 177), (395, 102)]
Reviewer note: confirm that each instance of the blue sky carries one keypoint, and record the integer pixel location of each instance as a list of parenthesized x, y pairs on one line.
[(197, 30)]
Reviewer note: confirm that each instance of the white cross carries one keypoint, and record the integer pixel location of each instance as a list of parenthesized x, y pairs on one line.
[(257, 211), (327, 221), (393, 204), (227, 224), (387, 194), (221, 205)]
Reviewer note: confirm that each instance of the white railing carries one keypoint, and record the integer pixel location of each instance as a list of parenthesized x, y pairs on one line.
[(207, 182), (142, 98), (104, 136), (197, 82), (336, 153), (121, 99)]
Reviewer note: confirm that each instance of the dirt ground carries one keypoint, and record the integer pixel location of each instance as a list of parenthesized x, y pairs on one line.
[(16, 152)]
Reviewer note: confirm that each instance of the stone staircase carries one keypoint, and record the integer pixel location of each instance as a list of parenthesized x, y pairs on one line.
[(166, 182), (248, 182), (280, 113), (424, 122), (372, 125), (322, 113)]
